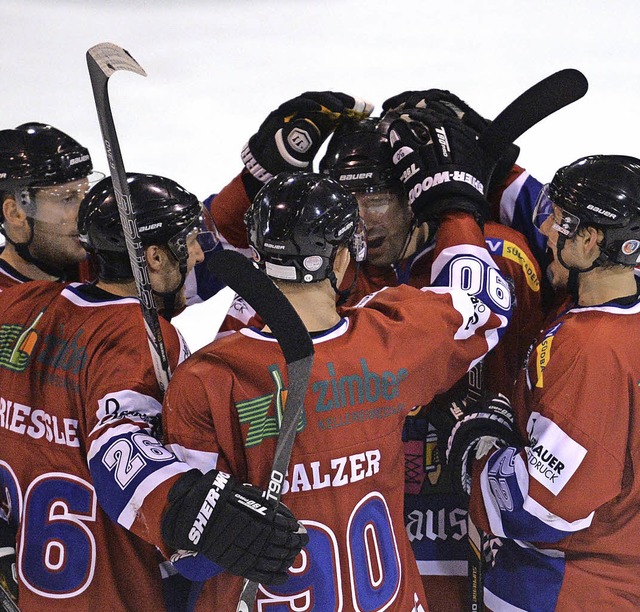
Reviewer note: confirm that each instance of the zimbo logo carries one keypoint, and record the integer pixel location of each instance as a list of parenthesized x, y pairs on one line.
[(600, 211), (61, 353), (255, 412), (355, 389), (151, 226)]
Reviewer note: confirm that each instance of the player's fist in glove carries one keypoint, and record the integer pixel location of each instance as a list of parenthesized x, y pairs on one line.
[(291, 135), (440, 163), (8, 577), (472, 432), (233, 525), (444, 102)]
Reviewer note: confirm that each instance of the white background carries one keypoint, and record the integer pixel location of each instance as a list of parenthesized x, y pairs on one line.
[(216, 68)]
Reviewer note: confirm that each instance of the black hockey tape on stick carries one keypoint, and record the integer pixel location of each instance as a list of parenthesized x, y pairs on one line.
[(103, 60), (276, 311), (539, 101)]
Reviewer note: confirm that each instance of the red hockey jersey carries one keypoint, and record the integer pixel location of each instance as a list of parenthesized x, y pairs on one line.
[(396, 349), (567, 507), (78, 402)]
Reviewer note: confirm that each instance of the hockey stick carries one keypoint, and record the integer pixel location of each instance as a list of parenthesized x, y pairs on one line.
[(242, 276), (539, 101), (103, 60)]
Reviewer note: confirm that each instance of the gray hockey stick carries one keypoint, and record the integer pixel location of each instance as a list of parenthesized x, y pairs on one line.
[(103, 60)]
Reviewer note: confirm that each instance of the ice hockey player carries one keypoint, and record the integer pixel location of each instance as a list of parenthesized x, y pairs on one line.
[(373, 363), (88, 487), (565, 504), (44, 173)]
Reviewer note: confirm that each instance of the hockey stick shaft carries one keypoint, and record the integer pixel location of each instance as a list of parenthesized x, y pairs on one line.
[(276, 311), (103, 60)]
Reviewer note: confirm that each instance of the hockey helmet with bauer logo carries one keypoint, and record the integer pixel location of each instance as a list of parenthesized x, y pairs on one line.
[(296, 224), (35, 154), (359, 156), (165, 212), (601, 191)]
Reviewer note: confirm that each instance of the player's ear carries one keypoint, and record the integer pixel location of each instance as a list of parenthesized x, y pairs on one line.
[(341, 261), (156, 258), (15, 218)]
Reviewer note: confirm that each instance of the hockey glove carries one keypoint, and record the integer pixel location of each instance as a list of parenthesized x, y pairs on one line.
[(471, 433), (438, 160), (445, 102), (8, 577), (233, 525), (291, 135)]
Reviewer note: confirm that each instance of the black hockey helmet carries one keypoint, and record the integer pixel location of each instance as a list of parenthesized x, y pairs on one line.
[(36, 154), (296, 223), (601, 191), (165, 212), (359, 156)]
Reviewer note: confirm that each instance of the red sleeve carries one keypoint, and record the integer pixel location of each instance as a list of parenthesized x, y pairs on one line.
[(227, 210)]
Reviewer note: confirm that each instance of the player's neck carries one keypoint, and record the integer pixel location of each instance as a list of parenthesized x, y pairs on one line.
[(121, 289), (602, 285), (24, 267), (315, 304)]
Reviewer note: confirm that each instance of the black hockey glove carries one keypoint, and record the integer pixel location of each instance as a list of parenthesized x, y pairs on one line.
[(8, 576), (233, 525), (291, 135), (438, 160), (445, 102), (472, 432)]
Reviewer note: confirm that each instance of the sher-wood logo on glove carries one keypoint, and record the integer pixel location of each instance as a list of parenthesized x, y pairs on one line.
[(442, 177), (209, 503)]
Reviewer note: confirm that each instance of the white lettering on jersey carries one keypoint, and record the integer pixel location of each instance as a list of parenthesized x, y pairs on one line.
[(38, 423), (552, 455), (342, 471)]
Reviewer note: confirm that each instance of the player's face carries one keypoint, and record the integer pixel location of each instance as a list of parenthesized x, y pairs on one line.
[(387, 217), (172, 278), (55, 223), (558, 275)]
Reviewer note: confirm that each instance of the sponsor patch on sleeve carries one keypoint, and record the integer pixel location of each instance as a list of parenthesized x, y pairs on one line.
[(553, 456)]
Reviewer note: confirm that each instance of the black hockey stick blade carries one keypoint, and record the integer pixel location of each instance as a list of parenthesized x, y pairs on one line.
[(239, 273), (276, 311), (539, 101), (103, 60)]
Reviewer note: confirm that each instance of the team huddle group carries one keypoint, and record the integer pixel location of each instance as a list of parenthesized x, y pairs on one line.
[(475, 370)]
